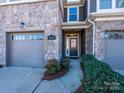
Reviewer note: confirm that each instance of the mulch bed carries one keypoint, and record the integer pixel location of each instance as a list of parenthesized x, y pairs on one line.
[(61, 73), (79, 90), (1, 66)]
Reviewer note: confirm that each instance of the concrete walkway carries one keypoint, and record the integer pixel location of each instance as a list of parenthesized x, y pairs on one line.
[(66, 84), (28, 80)]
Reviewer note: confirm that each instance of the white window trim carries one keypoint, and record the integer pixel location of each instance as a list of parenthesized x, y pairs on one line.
[(68, 17), (8, 2), (113, 9), (88, 8), (72, 1)]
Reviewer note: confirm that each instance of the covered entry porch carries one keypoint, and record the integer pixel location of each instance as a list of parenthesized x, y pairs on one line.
[(77, 40)]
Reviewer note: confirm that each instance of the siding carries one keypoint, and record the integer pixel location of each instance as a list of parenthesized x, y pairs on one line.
[(93, 6), (85, 10), (65, 14), (81, 15)]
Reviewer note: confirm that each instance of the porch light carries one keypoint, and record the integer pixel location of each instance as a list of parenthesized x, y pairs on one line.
[(22, 24)]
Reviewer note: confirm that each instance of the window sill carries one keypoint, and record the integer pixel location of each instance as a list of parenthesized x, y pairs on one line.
[(19, 2), (110, 10)]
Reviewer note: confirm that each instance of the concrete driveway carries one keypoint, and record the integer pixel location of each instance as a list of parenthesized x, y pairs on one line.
[(28, 80), (19, 80)]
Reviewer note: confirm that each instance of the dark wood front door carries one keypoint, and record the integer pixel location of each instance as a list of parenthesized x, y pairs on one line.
[(73, 47)]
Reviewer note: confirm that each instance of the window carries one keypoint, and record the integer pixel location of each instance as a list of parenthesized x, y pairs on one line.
[(27, 37), (73, 0), (119, 3), (73, 14), (14, 0), (110, 5), (105, 4), (2, 1)]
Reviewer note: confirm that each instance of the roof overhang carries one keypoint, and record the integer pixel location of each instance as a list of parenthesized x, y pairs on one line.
[(76, 25), (108, 16)]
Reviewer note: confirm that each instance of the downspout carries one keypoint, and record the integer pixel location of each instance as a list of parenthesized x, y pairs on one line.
[(94, 29)]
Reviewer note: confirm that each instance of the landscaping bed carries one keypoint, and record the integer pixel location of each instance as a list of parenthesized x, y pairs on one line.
[(59, 74), (99, 77), (1, 66), (56, 69), (79, 90)]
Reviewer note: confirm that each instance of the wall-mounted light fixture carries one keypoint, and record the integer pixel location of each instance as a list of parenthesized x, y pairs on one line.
[(22, 24)]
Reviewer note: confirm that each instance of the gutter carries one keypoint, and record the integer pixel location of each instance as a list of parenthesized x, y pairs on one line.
[(94, 28)]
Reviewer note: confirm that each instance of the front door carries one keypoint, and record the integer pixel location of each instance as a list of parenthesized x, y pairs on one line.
[(72, 45)]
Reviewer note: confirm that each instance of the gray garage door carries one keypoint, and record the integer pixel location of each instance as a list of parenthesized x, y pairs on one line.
[(114, 49), (25, 49)]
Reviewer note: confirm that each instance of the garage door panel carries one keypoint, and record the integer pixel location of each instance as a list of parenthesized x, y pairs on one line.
[(26, 52), (114, 50)]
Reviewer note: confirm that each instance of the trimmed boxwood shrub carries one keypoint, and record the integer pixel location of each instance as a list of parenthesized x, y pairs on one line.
[(100, 78), (53, 66), (65, 63)]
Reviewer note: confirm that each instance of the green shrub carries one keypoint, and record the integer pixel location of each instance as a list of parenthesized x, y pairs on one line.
[(65, 63), (87, 57), (53, 66), (100, 78)]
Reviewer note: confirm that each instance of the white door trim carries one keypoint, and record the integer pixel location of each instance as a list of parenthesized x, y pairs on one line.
[(67, 43)]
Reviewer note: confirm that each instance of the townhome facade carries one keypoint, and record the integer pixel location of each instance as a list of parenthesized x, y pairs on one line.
[(25, 28), (108, 17), (33, 31)]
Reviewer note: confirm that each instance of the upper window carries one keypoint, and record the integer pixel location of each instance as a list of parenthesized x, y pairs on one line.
[(73, 0), (73, 14), (119, 3), (15, 0), (2, 1), (105, 4), (110, 5)]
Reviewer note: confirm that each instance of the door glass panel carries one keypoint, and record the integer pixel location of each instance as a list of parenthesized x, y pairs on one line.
[(73, 47), (67, 46)]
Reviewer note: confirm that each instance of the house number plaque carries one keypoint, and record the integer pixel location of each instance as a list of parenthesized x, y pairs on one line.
[(51, 37)]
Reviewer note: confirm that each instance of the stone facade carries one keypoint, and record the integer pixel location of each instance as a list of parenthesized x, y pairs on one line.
[(89, 41), (38, 16), (101, 27)]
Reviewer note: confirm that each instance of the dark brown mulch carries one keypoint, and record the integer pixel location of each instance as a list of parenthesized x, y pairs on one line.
[(54, 76), (1, 66), (79, 90)]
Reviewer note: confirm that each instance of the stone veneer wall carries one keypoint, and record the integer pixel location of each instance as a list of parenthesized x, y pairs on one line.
[(89, 41), (101, 27), (39, 16)]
